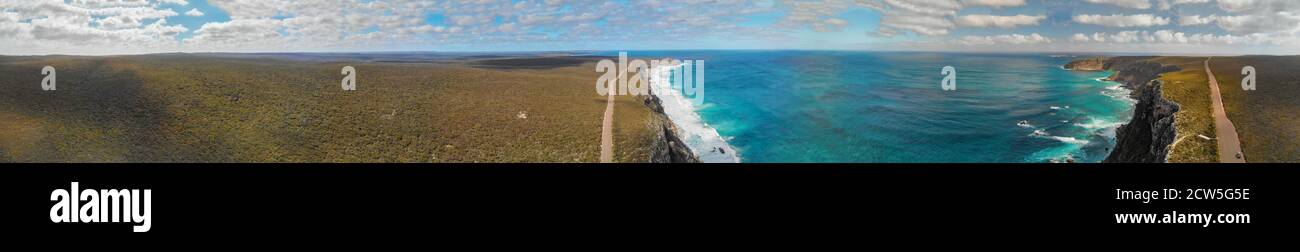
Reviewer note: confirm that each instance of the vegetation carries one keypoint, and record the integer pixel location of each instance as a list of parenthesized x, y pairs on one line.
[(1190, 88), (1268, 118), (191, 108)]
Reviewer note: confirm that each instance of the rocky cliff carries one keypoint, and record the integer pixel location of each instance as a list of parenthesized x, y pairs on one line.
[(667, 147), (1089, 64), (1145, 138)]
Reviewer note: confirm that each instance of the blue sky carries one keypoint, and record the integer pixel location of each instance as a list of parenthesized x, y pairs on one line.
[(210, 15), (147, 26)]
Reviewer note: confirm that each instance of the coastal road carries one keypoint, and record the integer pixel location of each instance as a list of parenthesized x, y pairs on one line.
[(1225, 132), (607, 131)]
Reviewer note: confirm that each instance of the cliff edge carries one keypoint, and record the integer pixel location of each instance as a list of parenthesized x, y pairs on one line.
[(667, 147), (1089, 64), (1145, 138)]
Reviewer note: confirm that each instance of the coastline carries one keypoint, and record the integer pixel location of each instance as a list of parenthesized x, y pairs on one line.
[(682, 133), (1147, 136), (668, 146), (678, 123)]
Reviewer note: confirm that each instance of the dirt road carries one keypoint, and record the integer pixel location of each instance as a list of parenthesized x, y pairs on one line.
[(607, 132), (1225, 132)]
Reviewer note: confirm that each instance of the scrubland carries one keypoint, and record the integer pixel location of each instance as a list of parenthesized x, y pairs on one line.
[(194, 108)]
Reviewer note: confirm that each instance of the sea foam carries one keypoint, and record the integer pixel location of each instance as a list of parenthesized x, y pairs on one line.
[(1095, 124), (1070, 140), (703, 139)]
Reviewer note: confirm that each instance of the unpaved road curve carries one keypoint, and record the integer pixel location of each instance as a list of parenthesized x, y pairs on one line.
[(1225, 132)]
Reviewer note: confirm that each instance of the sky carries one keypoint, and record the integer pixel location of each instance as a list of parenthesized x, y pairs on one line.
[(106, 27)]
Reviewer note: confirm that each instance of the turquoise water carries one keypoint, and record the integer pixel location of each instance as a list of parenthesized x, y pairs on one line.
[(826, 106)]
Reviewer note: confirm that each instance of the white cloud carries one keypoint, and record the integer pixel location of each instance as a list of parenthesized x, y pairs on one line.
[(1125, 37), (1166, 4), (1139, 20), (87, 26), (1192, 20), (994, 3), (998, 21), (259, 8), (308, 25), (110, 3), (1016, 39), (1171, 37), (239, 30), (137, 26), (1228, 39), (1247, 24), (820, 15), (1135, 4), (1079, 37), (1250, 17), (1259, 16), (927, 17), (1238, 5)]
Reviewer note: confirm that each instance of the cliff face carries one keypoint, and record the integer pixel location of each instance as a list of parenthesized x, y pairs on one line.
[(668, 147), (1089, 64), (1145, 138)]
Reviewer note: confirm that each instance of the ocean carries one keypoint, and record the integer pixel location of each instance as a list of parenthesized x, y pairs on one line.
[(840, 106)]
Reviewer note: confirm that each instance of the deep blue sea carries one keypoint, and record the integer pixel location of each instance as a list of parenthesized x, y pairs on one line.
[(836, 106)]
